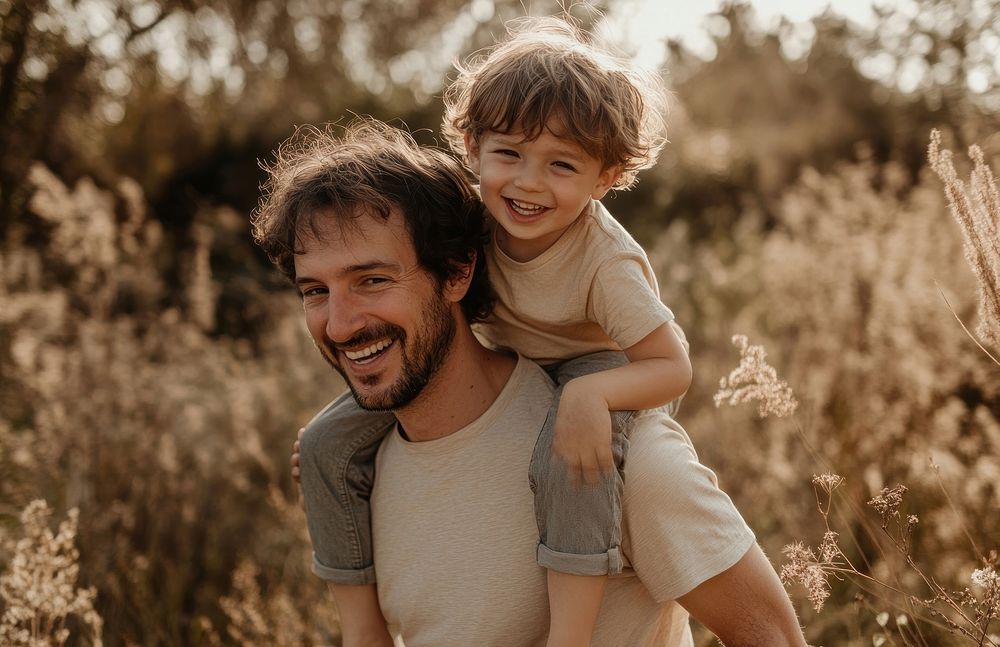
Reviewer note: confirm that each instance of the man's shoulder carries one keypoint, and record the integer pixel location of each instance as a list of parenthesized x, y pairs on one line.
[(657, 442), (672, 505), (530, 377)]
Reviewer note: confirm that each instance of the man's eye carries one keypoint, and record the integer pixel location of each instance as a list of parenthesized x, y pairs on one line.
[(373, 281), (312, 292)]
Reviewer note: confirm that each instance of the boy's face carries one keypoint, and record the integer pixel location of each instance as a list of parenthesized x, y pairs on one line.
[(535, 189)]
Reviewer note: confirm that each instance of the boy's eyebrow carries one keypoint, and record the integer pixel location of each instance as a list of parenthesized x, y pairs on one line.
[(576, 153), (367, 266)]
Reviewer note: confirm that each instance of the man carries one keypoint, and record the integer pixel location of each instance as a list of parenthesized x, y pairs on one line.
[(384, 244)]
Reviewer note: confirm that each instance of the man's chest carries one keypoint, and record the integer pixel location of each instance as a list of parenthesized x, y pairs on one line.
[(455, 543)]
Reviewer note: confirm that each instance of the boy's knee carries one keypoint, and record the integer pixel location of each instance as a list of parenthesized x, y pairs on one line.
[(319, 441)]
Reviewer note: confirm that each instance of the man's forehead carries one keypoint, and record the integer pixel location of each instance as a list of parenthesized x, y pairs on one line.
[(358, 228), (360, 239)]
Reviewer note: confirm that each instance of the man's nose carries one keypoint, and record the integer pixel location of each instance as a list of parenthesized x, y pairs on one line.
[(345, 317)]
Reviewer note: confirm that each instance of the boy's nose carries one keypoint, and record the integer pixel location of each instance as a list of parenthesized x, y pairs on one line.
[(528, 180)]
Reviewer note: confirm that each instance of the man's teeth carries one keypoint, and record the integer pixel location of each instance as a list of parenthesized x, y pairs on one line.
[(526, 208), (365, 352)]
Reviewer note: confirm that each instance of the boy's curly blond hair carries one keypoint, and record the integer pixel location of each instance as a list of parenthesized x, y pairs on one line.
[(547, 74)]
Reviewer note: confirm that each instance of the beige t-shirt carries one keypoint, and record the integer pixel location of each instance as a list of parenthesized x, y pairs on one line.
[(593, 290), (455, 536)]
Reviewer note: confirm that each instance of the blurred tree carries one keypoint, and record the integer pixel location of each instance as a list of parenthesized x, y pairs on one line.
[(766, 105), (53, 56)]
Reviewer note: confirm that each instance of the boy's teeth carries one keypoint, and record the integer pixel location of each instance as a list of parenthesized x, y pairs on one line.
[(366, 352), (526, 208)]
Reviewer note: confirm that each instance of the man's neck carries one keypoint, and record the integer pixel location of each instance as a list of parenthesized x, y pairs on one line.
[(467, 383)]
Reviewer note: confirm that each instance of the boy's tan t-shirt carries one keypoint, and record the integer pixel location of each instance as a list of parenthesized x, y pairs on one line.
[(455, 536), (593, 290)]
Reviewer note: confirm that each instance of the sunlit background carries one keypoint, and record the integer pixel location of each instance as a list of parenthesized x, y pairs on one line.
[(154, 368)]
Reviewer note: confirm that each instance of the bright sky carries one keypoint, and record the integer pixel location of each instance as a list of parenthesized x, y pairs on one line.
[(642, 25)]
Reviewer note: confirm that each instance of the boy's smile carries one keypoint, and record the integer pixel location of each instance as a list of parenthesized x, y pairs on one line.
[(535, 189)]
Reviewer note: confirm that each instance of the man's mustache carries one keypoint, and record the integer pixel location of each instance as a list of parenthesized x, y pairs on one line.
[(366, 337)]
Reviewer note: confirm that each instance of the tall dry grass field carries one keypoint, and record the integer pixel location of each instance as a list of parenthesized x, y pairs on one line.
[(170, 443), (144, 490)]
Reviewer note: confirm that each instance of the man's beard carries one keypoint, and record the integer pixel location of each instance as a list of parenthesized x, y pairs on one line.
[(419, 361)]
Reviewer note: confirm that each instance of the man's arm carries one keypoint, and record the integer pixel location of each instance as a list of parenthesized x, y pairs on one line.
[(746, 606)]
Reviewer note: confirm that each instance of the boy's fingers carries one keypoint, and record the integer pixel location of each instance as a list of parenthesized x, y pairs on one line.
[(299, 435)]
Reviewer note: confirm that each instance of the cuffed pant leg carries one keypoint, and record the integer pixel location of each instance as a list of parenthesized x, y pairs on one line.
[(337, 462), (579, 525)]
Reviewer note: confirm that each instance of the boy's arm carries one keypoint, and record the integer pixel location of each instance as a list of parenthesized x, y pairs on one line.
[(658, 372)]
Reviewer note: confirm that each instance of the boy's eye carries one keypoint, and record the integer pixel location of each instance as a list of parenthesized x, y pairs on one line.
[(566, 165), (506, 151)]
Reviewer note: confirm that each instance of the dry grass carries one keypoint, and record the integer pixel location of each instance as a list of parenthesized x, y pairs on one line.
[(172, 443), (892, 393)]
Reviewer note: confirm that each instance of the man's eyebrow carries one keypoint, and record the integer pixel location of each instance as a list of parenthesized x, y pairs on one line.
[(357, 268)]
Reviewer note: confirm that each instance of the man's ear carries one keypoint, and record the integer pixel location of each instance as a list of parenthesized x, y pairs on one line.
[(457, 285), (606, 180)]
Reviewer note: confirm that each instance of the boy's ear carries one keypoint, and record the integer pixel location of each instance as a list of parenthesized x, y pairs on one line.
[(606, 180), (471, 148)]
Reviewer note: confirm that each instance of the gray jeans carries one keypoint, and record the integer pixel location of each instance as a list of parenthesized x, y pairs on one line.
[(579, 525)]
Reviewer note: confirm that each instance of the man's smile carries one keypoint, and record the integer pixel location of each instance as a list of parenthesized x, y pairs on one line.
[(367, 354)]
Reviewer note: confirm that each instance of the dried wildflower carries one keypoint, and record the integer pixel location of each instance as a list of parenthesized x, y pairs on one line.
[(828, 548), (39, 588), (986, 578), (755, 379), (979, 218), (803, 567), (888, 501), (828, 482), (987, 604)]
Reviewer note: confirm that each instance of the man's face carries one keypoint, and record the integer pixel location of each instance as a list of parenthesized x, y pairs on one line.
[(377, 317)]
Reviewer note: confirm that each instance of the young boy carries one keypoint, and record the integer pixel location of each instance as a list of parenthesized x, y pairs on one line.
[(550, 124)]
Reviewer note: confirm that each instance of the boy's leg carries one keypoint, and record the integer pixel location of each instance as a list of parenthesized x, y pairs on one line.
[(579, 524), (337, 463)]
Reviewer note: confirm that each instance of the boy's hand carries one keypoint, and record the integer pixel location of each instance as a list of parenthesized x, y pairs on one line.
[(583, 434), (296, 474)]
